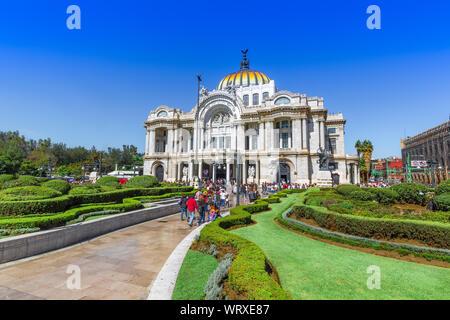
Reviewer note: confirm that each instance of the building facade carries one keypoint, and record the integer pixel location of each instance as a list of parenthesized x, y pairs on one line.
[(432, 145), (247, 124), (388, 170)]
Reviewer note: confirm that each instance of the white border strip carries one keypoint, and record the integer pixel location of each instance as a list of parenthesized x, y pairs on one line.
[(164, 284)]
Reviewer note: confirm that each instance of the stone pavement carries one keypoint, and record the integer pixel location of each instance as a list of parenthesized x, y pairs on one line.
[(118, 265)]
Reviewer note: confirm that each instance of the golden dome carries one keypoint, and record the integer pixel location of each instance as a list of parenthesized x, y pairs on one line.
[(243, 78)]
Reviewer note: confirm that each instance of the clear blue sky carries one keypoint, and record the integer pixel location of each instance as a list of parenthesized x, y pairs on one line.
[(96, 86)]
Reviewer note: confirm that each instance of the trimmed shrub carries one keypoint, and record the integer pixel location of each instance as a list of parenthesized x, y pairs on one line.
[(346, 189), (22, 181), (142, 182), (442, 201), (443, 187), (362, 195), (414, 193), (431, 233), (62, 203), (108, 181), (385, 195), (5, 177), (59, 185), (42, 179), (247, 273), (28, 193), (83, 190)]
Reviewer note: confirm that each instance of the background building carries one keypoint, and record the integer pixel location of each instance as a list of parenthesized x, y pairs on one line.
[(275, 136), (388, 170), (432, 145)]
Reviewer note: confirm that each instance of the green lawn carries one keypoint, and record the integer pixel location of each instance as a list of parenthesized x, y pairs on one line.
[(310, 269), (193, 275)]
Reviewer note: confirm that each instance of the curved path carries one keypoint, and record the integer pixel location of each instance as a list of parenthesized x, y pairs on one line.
[(118, 265), (311, 269)]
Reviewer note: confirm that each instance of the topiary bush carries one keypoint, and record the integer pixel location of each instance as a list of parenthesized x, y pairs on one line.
[(443, 187), (442, 201), (78, 190), (22, 181), (59, 185), (28, 193), (385, 195), (414, 193), (5, 178), (108, 181), (362, 195), (346, 189), (143, 182)]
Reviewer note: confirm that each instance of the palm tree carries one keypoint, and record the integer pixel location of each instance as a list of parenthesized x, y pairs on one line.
[(358, 146), (367, 149)]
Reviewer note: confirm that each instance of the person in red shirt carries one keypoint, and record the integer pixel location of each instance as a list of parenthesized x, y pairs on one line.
[(191, 207)]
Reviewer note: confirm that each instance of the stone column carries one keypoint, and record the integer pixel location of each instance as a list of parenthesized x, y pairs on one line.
[(195, 138), (233, 138), (200, 174), (169, 140), (152, 142), (200, 142), (214, 173), (322, 133), (191, 170), (296, 134), (228, 173), (179, 172), (240, 137), (304, 138), (261, 137), (244, 172), (257, 172), (269, 135), (147, 137)]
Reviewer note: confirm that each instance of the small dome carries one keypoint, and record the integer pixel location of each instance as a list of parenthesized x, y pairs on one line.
[(243, 78)]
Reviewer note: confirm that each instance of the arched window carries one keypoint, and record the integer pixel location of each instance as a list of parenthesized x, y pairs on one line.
[(162, 114), (265, 95), (282, 100), (245, 98), (255, 99)]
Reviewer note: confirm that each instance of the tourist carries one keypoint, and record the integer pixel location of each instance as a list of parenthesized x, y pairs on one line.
[(191, 207), (201, 209), (183, 206), (223, 196)]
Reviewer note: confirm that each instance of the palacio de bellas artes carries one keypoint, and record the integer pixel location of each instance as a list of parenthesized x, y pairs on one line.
[(248, 124)]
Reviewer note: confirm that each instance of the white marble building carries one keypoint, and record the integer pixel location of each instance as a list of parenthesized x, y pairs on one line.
[(274, 135)]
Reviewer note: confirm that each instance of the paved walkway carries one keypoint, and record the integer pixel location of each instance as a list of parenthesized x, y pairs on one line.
[(118, 265)]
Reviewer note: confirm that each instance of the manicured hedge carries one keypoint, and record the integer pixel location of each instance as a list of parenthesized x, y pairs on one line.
[(22, 181), (83, 190), (28, 193), (109, 181), (50, 221), (142, 182), (5, 177), (362, 195), (62, 203), (432, 233), (443, 187), (346, 189), (59, 185), (442, 201), (415, 193), (385, 195), (247, 274)]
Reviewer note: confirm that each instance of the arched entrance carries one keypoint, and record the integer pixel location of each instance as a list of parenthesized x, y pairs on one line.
[(159, 172), (284, 172)]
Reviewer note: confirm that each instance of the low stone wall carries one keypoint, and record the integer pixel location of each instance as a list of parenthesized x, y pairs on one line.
[(28, 245)]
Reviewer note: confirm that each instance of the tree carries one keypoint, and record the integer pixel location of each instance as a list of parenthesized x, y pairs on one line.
[(367, 149), (28, 169)]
